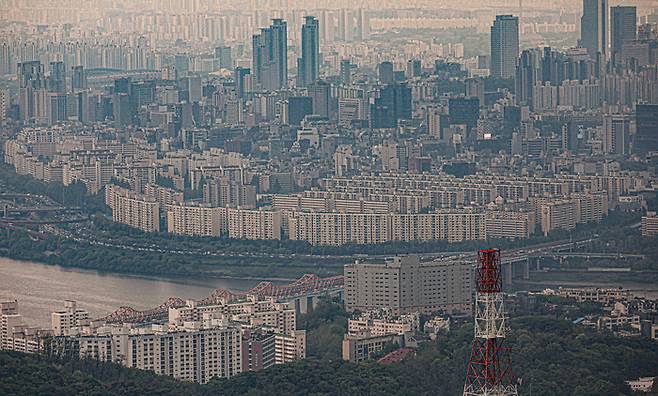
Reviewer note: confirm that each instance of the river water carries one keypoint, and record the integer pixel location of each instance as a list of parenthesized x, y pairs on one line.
[(41, 289)]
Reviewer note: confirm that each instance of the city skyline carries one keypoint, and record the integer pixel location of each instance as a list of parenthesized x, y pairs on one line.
[(293, 197)]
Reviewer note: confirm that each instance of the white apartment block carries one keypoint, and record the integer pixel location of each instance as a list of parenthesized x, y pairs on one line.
[(290, 347), (195, 220), (133, 209), (407, 285), (195, 355), (559, 214), (382, 322), (254, 224), (68, 318), (252, 311)]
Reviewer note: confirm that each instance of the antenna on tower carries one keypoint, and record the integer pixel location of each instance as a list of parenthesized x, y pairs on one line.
[(490, 367)]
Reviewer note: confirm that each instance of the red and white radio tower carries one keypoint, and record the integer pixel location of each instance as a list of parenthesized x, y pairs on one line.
[(490, 367)]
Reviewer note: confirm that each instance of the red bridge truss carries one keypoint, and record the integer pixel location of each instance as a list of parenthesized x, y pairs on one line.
[(307, 284)]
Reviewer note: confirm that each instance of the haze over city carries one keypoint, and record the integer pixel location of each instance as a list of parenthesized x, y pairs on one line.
[(294, 197)]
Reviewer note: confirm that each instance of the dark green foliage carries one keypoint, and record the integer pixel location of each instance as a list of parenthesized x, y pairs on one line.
[(552, 356), (22, 374)]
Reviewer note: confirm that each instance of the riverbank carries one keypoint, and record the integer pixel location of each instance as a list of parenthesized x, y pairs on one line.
[(55, 250), (40, 289)]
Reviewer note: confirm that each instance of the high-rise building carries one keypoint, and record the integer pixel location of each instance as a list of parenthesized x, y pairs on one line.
[(386, 75), (57, 80), (298, 108), (414, 68), (362, 25), (71, 316), (623, 28), (4, 104), (504, 46), (78, 79), (320, 93), (56, 110), (393, 104), (239, 75), (526, 77), (594, 28), (646, 124), (309, 63), (616, 132), (31, 80), (407, 285), (270, 56), (464, 111), (345, 72), (224, 55)]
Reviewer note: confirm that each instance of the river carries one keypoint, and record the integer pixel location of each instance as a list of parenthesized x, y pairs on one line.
[(41, 289)]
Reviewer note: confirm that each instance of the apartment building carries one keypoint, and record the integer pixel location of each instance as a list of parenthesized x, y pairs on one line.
[(163, 195), (70, 317), (358, 349), (196, 220), (188, 355), (133, 209), (513, 223), (558, 214), (405, 285), (649, 224), (258, 350), (15, 335), (383, 321), (254, 224), (591, 207), (251, 310), (290, 347), (340, 228)]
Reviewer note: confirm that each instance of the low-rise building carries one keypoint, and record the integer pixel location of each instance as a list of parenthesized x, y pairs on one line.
[(649, 224), (361, 348)]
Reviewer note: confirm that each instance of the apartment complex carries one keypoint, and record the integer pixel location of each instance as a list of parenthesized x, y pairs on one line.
[(220, 338), (405, 285), (15, 335), (133, 209)]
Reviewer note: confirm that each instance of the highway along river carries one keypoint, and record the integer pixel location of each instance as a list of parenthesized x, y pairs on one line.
[(41, 289)]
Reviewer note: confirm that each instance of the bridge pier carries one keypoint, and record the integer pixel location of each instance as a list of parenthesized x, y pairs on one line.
[(507, 274), (526, 270)]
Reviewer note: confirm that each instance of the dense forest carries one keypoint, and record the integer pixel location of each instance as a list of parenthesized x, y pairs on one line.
[(552, 356)]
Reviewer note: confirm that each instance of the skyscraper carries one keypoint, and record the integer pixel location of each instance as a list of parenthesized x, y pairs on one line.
[(616, 131), (224, 55), (504, 46), (79, 79), (386, 75), (646, 123), (239, 76), (345, 72), (270, 56), (623, 28), (30, 80), (309, 63), (57, 80), (593, 27), (526, 77)]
